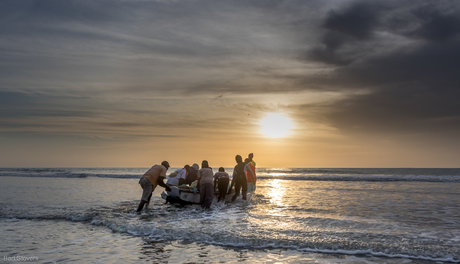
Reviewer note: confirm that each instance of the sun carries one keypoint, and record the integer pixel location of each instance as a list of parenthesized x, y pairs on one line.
[(275, 125)]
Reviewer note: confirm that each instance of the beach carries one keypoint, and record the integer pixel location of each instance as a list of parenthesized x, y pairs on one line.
[(296, 216)]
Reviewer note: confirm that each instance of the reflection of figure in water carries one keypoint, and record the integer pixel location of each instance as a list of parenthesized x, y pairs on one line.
[(205, 177), (149, 181), (239, 179), (221, 180)]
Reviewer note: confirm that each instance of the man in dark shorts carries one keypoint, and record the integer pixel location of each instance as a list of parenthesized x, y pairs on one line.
[(221, 180), (149, 181), (239, 179)]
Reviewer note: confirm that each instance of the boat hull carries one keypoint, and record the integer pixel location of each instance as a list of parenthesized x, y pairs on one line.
[(184, 196)]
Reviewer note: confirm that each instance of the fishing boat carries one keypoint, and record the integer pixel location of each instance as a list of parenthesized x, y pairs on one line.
[(183, 195)]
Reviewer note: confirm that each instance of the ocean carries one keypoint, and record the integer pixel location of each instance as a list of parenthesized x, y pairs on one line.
[(297, 215)]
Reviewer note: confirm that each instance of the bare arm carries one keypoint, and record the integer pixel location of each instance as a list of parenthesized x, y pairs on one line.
[(199, 179), (162, 184), (233, 181), (215, 181), (182, 175)]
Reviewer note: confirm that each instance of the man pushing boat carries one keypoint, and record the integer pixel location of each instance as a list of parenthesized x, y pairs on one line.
[(149, 181)]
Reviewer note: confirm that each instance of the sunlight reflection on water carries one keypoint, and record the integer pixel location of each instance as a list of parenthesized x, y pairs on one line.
[(277, 192), (276, 174)]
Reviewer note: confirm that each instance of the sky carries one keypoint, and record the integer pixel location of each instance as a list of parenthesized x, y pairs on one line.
[(132, 83)]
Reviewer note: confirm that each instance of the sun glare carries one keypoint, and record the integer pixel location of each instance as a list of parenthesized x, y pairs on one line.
[(275, 125)]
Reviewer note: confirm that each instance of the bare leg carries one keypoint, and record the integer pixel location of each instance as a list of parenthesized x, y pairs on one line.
[(141, 205)]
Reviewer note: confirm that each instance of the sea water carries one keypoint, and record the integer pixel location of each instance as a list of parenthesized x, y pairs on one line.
[(295, 216)]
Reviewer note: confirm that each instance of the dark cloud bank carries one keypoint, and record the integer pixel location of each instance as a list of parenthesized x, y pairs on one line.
[(411, 87)]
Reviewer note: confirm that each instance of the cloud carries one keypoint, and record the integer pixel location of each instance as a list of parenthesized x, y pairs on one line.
[(120, 64), (396, 111), (19, 105), (437, 26), (349, 26), (410, 87), (358, 21)]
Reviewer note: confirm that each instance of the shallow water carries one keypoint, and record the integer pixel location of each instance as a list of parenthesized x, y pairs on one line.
[(92, 219)]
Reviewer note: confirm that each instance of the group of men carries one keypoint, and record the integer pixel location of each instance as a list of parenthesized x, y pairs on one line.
[(244, 179), (244, 176), (187, 175)]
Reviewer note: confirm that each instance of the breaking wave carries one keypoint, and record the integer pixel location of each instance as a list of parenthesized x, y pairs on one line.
[(232, 226), (304, 174)]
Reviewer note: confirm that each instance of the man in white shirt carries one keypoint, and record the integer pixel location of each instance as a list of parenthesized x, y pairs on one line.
[(177, 178)]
